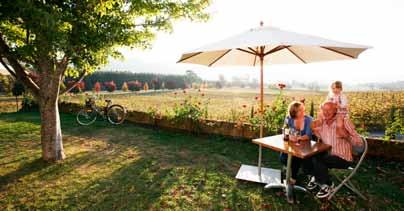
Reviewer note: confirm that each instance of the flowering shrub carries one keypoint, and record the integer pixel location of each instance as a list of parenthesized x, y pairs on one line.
[(272, 115), (134, 85), (193, 107), (97, 87), (281, 86), (153, 112), (124, 87), (110, 86), (80, 87), (145, 86)]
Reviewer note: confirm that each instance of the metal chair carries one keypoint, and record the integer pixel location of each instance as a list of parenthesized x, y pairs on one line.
[(361, 153)]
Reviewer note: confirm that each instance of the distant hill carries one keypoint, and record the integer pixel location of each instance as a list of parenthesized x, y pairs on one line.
[(396, 86), (377, 86)]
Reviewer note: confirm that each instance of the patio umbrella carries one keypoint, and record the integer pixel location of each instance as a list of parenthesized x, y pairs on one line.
[(268, 45)]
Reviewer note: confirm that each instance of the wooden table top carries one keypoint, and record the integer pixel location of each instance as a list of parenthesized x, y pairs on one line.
[(303, 150)]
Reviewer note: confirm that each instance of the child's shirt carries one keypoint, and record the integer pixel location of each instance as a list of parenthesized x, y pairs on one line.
[(341, 99)]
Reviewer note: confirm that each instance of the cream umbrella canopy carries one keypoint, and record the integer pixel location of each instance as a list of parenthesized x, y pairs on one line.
[(266, 46)]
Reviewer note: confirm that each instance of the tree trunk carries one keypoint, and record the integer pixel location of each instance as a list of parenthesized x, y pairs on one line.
[(51, 133)]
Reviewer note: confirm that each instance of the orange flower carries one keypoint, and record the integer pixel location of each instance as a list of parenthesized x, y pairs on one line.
[(281, 85), (244, 106), (256, 98)]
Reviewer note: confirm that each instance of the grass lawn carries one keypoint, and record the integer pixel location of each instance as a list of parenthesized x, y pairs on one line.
[(133, 168)]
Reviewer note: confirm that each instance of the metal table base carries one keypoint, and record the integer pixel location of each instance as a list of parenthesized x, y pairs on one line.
[(267, 176), (286, 184), (259, 174), (270, 177)]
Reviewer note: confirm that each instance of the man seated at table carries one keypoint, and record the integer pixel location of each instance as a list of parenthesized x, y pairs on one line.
[(340, 156)]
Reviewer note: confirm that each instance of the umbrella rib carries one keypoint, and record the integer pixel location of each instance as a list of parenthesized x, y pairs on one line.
[(189, 57), (278, 48), (296, 55), (218, 58), (255, 57), (255, 51), (255, 60), (339, 52), (240, 49)]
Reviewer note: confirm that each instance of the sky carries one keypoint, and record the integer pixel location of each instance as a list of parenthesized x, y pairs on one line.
[(376, 23)]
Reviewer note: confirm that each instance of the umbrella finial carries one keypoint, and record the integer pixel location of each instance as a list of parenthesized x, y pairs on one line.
[(261, 23)]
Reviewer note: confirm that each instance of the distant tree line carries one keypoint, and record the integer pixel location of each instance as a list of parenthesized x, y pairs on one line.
[(136, 81)]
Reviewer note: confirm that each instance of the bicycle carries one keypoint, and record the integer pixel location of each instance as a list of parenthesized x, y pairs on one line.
[(114, 113)]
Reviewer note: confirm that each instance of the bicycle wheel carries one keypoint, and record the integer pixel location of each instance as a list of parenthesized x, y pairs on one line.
[(116, 114), (86, 116)]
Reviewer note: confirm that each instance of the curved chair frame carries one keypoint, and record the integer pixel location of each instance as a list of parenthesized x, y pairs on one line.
[(346, 182)]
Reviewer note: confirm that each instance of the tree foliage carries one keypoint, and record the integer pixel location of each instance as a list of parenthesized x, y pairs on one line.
[(81, 35), (44, 40)]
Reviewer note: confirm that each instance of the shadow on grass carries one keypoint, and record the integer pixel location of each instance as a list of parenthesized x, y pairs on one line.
[(135, 186), (24, 170), (129, 167), (176, 171), (31, 117)]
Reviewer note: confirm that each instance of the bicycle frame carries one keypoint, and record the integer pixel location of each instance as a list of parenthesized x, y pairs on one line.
[(92, 111), (101, 110)]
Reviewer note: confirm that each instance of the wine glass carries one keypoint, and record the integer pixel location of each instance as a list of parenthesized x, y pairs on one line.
[(298, 135), (293, 135)]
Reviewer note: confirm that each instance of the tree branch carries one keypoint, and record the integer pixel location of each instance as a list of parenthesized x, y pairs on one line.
[(152, 23), (70, 87), (19, 70), (7, 68), (62, 65)]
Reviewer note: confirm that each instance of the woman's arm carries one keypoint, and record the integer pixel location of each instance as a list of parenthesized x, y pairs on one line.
[(307, 128)]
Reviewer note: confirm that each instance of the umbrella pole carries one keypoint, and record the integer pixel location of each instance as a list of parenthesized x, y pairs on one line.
[(262, 98), (261, 111)]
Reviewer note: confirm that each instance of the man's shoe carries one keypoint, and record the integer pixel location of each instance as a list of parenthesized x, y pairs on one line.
[(325, 191), (311, 185)]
